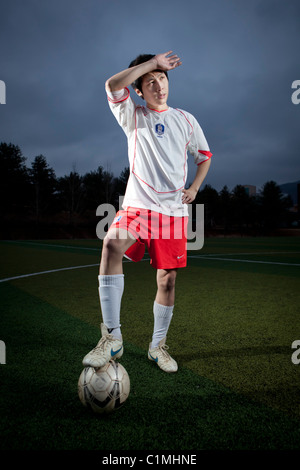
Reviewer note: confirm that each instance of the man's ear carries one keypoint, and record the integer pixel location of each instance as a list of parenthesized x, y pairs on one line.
[(139, 93)]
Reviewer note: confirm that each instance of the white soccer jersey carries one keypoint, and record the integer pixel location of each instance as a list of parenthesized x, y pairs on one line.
[(158, 146)]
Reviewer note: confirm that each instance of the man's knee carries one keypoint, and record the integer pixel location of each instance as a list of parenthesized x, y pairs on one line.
[(117, 243), (166, 280), (108, 245)]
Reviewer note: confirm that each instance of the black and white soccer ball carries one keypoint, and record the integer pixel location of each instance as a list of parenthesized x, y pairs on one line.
[(104, 389)]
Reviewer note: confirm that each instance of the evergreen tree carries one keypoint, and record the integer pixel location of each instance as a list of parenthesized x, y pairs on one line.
[(274, 206), (43, 182), (240, 206), (99, 188), (71, 194), (225, 208), (14, 180), (210, 198)]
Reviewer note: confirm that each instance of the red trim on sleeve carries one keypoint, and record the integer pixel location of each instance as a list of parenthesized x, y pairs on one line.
[(206, 153), (120, 101)]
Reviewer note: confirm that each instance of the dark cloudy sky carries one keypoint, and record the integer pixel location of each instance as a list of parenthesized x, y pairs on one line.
[(240, 59)]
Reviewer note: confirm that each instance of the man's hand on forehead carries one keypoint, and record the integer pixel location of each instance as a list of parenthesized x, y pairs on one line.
[(166, 61)]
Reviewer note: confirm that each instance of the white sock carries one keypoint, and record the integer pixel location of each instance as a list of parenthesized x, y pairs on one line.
[(162, 319), (111, 289)]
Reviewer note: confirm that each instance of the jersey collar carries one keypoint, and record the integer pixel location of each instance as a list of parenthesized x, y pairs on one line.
[(157, 111)]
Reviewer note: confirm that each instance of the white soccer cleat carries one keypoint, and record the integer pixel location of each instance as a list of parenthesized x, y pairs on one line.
[(107, 349), (162, 357)]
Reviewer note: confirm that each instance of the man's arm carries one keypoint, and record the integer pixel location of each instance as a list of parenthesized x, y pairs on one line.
[(188, 195), (126, 77)]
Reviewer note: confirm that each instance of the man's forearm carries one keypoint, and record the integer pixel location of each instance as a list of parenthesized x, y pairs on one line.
[(200, 175), (126, 77)]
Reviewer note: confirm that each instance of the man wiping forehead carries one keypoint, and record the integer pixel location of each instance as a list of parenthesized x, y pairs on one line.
[(159, 141)]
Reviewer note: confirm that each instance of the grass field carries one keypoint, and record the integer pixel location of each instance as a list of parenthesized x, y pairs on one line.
[(235, 319)]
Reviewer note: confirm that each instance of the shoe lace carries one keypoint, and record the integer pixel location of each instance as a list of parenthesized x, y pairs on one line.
[(164, 350), (106, 339)]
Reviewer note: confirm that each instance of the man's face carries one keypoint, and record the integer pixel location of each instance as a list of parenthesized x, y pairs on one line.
[(155, 87)]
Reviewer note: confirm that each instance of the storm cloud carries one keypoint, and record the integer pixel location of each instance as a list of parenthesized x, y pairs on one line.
[(239, 62)]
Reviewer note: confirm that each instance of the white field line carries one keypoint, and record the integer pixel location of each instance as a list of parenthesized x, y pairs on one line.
[(74, 247), (264, 253), (71, 247), (47, 272), (211, 257), (208, 256), (59, 269)]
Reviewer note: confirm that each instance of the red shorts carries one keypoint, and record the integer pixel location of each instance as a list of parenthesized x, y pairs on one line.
[(164, 236)]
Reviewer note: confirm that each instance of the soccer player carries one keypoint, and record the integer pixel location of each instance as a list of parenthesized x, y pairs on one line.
[(155, 203)]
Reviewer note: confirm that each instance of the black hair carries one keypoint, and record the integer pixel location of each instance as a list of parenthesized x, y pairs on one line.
[(140, 60)]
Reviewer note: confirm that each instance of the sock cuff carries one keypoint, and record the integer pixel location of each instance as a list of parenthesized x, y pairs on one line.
[(110, 280), (162, 311)]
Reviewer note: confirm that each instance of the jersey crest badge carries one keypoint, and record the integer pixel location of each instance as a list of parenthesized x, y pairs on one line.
[(160, 129)]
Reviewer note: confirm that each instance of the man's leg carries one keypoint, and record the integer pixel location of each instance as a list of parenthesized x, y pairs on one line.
[(166, 279), (111, 286), (163, 312), (163, 304), (111, 278), (115, 244)]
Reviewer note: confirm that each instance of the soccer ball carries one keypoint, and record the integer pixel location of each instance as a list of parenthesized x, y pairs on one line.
[(104, 389)]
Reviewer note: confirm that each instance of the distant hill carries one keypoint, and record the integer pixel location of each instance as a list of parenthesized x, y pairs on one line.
[(291, 190)]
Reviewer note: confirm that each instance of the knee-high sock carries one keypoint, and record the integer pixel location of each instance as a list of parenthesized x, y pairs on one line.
[(111, 289), (162, 319)]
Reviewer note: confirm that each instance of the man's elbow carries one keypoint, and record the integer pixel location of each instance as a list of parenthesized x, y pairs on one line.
[(112, 85), (108, 86)]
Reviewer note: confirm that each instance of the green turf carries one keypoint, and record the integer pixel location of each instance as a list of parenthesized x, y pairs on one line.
[(231, 334)]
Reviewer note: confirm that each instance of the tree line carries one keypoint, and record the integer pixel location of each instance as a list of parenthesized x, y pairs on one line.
[(237, 211), (35, 194)]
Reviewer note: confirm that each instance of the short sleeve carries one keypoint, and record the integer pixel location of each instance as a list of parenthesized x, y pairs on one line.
[(123, 108), (198, 146)]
